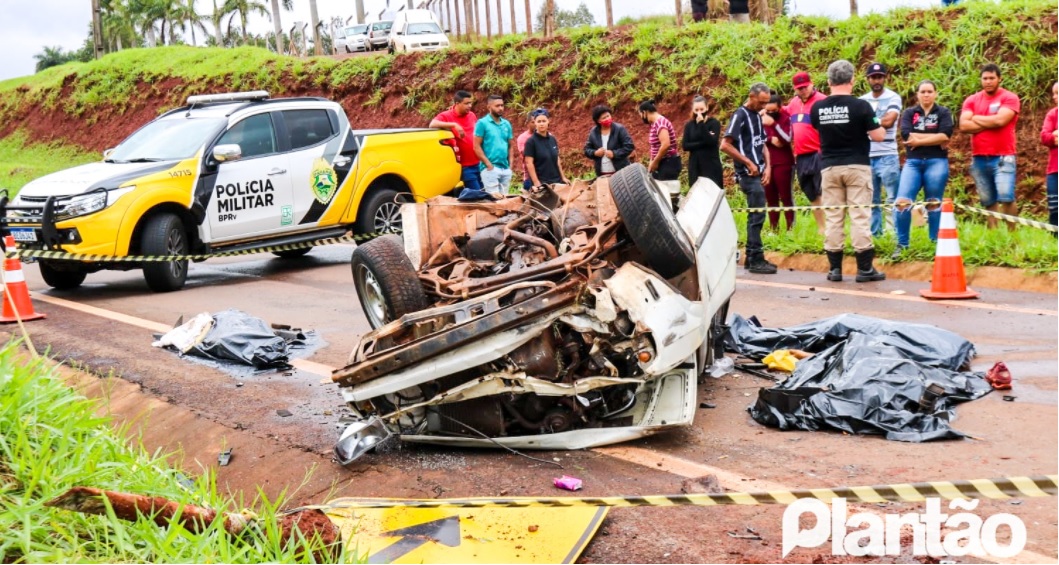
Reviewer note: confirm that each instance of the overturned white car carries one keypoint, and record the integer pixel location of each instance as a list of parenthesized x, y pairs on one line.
[(567, 317)]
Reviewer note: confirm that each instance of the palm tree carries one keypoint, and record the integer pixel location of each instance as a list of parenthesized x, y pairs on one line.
[(184, 16), (243, 9), (120, 25)]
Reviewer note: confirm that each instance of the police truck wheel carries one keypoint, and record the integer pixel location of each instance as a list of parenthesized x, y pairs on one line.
[(387, 284), (379, 213), (648, 217), (164, 234), (61, 277)]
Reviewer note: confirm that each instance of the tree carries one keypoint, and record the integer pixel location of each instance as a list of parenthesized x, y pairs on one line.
[(55, 56), (243, 9), (566, 18), (184, 16), (853, 8)]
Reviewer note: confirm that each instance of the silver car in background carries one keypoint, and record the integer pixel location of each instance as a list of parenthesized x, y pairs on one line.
[(353, 39)]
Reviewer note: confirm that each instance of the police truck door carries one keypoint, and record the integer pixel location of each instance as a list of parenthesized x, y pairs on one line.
[(252, 195)]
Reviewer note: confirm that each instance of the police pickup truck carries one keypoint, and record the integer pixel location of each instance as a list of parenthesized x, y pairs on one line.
[(227, 172)]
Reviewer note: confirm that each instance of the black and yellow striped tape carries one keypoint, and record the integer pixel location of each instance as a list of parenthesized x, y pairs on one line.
[(94, 258), (1002, 488), (1020, 221)]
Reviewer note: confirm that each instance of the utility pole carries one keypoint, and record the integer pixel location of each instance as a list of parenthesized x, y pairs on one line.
[(97, 29), (549, 17), (360, 11), (610, 14)]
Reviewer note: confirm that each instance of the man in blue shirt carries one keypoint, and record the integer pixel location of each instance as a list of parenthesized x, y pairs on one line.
[(494, 143)]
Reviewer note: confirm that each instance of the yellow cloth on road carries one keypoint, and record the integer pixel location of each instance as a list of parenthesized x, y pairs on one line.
[(781, 360)]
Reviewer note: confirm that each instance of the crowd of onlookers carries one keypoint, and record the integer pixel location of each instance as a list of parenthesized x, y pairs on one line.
[(841, 148)]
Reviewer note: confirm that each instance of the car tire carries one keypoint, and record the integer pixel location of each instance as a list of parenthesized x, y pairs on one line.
[(391, 49), (387, 284), (61, 278), (648, 216), (292, 253), (379, 213), (164, 234)]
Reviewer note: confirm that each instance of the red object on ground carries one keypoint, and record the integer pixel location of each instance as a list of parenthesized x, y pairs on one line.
[(999, 376), (15, 283), (949, 280)]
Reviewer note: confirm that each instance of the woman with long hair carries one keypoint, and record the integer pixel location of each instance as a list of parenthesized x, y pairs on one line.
[(702, 141)]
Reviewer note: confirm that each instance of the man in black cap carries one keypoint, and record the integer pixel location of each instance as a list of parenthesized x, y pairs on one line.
[(885, 164)]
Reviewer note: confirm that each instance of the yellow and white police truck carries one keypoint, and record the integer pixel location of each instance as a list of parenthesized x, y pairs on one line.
[(228, 172)]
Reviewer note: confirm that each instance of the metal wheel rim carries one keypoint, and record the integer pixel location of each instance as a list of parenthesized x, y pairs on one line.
[(174, 245), (370, 292), (388, 218)]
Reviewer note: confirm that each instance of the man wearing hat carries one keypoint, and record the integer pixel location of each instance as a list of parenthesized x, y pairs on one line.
[(806, 141), (885, 164)]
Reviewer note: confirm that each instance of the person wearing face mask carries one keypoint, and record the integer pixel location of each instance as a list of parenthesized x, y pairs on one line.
[(665, 160), (702, 141), (609, 143), (778, 140), (926, 129), (543, 165)]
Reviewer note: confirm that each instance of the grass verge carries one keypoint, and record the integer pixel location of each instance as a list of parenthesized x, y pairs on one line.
[(51, 440), (22, 161)]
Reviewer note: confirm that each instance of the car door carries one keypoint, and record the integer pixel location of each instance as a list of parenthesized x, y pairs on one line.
[(252, 194), (317, 169)]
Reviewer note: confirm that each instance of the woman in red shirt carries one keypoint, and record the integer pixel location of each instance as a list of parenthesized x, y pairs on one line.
[(1049, 137), (778, 191)]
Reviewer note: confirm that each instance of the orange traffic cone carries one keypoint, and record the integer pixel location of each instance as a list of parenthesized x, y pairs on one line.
[(15, 285), (949, 280)]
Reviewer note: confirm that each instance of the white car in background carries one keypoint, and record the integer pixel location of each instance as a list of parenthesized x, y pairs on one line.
[(416, 30), (353, 39)]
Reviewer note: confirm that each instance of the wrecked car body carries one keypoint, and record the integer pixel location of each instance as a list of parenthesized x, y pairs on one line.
[(567, 317)]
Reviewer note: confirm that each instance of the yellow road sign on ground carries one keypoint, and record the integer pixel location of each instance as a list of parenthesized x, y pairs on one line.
[(465, 535)]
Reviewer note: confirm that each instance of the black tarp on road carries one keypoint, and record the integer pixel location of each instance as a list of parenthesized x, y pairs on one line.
[(866, 376)]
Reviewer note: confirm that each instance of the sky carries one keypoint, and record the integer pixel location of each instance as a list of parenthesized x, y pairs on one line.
[(32, 26)]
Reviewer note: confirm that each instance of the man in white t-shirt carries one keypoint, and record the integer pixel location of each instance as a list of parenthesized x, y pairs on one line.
[(885, 164)]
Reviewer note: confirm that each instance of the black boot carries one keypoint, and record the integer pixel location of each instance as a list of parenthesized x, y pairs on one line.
[(865, 270), (835, 259), (758, 265)]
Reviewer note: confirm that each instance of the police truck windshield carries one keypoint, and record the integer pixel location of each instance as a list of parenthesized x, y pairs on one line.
[(172, 139)]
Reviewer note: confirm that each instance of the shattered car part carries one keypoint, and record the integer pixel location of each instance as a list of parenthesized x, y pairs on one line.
[(359, 438), (551, 321)]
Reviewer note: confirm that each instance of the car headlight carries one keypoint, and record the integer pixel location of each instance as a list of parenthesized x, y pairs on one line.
[(444, 43), (92, 202)]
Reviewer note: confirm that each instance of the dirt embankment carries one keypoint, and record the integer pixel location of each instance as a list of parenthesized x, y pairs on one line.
[(397, 99)]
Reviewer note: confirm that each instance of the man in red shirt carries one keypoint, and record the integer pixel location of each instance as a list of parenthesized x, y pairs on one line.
[(806, 142), (990, 116), (461, 120)]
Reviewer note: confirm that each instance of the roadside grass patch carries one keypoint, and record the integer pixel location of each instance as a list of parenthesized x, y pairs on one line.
[(51, 440), (22, 161)]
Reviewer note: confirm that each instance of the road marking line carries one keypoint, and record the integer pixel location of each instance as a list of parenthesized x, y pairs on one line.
[(313, 367), (905, 298)]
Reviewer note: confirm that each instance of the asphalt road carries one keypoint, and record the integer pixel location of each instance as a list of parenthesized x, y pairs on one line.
[(106, 326)]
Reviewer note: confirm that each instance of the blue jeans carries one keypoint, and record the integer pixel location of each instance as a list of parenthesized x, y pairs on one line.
[(1052, 182), (994, 177), (471, 177), (497, 180), (755, 198), (885, 172), (930, 175)]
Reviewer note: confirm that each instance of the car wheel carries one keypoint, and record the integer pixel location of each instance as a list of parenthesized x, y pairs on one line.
[(293, 253), (379, 213), (391, 49), (61, 277), (387, 284), (164, 234), (346, 47), (648, 216)]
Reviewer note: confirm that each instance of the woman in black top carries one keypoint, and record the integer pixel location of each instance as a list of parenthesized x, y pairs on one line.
[(926, 128), (702, 141), (609, 144), (542, 153)]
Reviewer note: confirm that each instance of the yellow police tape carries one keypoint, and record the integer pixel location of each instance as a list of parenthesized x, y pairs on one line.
[(94, 258), (1002, 488), (1015, 219)]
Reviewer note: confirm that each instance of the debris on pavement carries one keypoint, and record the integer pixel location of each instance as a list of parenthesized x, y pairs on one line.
[(567, 482), (224, 457), (866, 376), (998, 376), (299, 524), (781, 360), (707, 484)]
